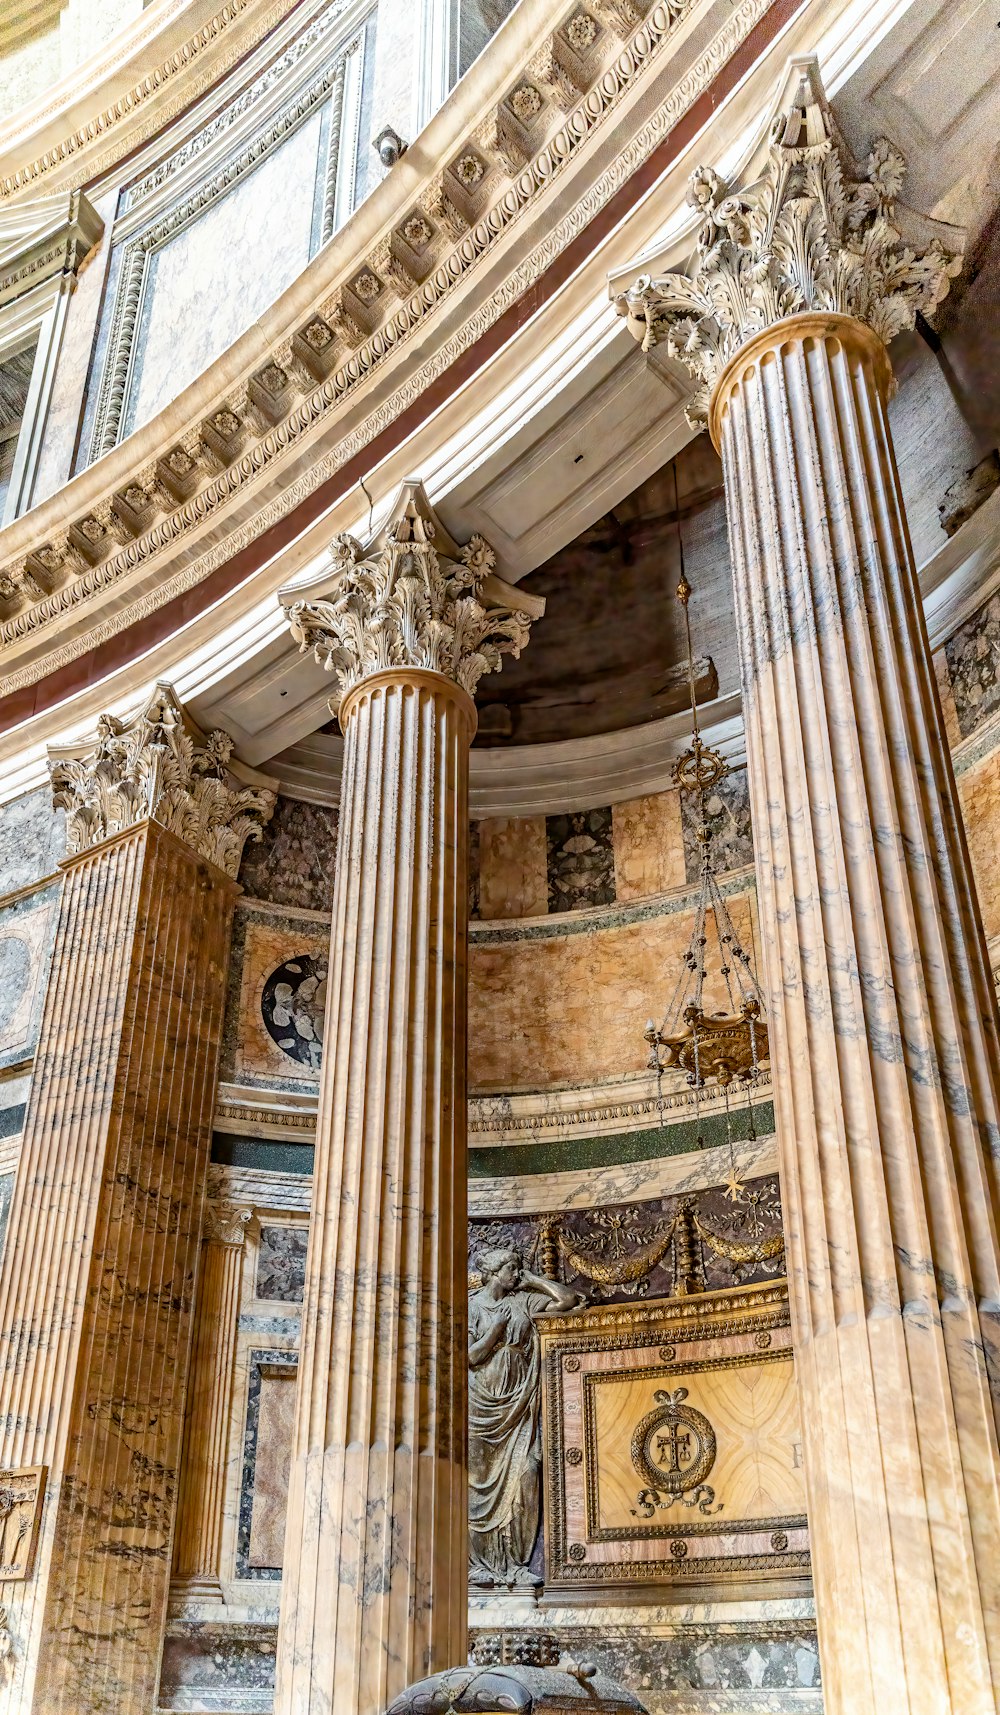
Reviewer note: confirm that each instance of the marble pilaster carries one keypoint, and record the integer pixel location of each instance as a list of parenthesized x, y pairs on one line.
[(882, 1020), (97, 1279), (375, 1568), (198, 1537)]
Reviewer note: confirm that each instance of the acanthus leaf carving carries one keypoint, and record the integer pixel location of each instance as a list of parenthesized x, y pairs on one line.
[(400, 603), (804, 236), (156, 765)]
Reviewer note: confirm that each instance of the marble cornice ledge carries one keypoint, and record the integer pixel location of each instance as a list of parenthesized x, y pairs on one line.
[(328, 368), (134, 85)]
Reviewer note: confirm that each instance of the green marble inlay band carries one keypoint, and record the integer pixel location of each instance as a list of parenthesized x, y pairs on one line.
[(505, 1161)]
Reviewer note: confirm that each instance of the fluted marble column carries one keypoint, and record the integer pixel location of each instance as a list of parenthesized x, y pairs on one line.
[(98, 1270), (198, 1538), (374, 1591), (885, 1058)]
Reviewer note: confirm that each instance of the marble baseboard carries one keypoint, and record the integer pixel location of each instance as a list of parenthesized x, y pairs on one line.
[(755, 1664)]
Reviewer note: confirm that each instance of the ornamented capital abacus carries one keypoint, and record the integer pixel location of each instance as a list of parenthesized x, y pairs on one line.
[(157, 765), (411, 599), (811, 233), (226, 1224)]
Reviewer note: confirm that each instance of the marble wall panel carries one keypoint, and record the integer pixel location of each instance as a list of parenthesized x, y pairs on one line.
[(568, 1004), (581, 860), (648, 845), (513, 878), (32, 839), (6, 1193), (979, 795), (973, 656), (653, 1660), (217, 1666), (209, 282), (727, 808), (281, 1263), (27, 927), (275, 1428), (293, 863), (264, 1366), (274, 1013)]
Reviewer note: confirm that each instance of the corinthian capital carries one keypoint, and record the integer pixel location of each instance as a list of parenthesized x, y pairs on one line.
[(412, 598), (158, 765), (811, 232)]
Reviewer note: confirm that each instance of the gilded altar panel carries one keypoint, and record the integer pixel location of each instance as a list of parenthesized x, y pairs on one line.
[(673, 1452)]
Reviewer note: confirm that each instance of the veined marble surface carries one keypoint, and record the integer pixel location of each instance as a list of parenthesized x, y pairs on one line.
[(209, 282)]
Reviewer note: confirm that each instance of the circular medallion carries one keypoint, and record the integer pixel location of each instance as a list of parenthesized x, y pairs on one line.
[(678, 1549), (673, 1448), (577, 1551), (292, 1006)]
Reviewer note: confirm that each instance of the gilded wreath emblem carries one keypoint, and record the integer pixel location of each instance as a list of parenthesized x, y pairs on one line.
[(673, 1450)]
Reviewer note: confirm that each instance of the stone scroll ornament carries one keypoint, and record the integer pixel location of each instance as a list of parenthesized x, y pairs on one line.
[(157, 766), (812, 233), (401, 604)]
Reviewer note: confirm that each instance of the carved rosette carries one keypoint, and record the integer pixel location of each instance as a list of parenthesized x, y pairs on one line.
[(156, 766), (812, 233), (402, 604)]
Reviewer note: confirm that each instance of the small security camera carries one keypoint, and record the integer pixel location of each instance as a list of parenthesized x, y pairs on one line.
[(388, 146)]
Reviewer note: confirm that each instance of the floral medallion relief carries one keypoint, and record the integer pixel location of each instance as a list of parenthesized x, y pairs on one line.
[(273, 1035), (292, 1004)]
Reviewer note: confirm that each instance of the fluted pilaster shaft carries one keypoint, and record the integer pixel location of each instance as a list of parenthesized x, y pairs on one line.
[(375, 1573), (198, 1540), (882, 1026), (97, 1279)]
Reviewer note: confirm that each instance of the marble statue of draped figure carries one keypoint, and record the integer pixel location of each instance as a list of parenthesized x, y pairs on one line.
[(505, 1448)]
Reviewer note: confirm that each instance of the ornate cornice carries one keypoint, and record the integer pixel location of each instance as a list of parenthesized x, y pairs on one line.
[(400, 603), (811, 233), (45, 236), (146, 511), (156, 765), (148, 91)]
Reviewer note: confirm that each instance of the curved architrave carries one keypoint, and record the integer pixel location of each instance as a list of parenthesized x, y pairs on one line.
[(297, 444), (129, 89)]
